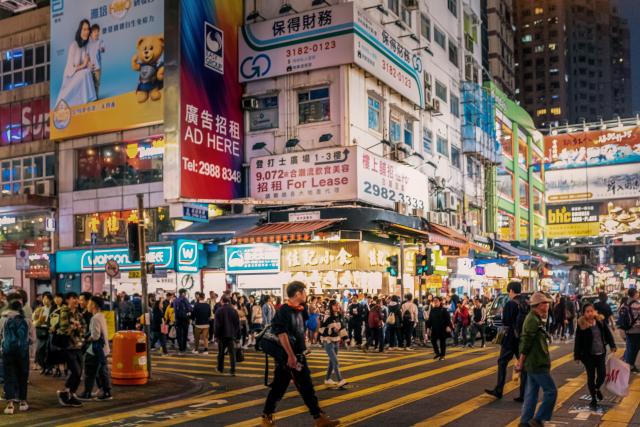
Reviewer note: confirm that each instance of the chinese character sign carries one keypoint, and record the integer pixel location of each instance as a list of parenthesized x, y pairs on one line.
[(211, 125), (107, 65)]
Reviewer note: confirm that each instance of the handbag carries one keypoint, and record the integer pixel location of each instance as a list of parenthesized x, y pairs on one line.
[(172, 333), (617, 380), (239, 355)]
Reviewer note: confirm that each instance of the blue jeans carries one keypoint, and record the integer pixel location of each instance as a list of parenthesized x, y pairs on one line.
[(536, 381), (633, 346), (334, 366)]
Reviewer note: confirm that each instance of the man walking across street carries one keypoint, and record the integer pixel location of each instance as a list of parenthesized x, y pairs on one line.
[(478, 319), (512, 312), (95, 359), (535, 358), (439, 327), (201, 318), (409, 320), (288, 326), (182, 309), (356, 319), (227, 330)]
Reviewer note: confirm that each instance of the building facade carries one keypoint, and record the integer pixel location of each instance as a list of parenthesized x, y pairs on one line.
[(500, 34), (572, 61)]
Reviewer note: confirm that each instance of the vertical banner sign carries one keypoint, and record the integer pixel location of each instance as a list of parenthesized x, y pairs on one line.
[(205, 133), (107, 65)]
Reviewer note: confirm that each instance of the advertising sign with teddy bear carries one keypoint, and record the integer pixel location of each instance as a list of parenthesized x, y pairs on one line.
[(107, 65)]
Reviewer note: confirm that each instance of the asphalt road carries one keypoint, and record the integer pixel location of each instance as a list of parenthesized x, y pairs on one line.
[(399, 388)]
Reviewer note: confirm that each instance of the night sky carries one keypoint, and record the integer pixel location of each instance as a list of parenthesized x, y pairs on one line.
[(631, 10)]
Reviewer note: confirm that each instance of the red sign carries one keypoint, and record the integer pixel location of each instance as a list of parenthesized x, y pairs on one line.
[(24, 121)]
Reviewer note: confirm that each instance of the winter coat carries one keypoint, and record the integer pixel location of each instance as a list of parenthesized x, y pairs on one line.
[(584, 337), (227, 322), (438, 321)]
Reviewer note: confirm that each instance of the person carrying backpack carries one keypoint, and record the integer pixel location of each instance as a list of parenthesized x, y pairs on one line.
[(15, 337), (629, 322), (394, 323), (409, 320), (182, 309), (513, 315), (375, 324)]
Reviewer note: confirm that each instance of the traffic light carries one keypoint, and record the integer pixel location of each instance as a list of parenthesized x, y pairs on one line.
[(424, 264), (134, 242), (393, 265)]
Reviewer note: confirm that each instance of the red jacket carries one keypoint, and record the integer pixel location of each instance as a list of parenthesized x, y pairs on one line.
[(462, 315)]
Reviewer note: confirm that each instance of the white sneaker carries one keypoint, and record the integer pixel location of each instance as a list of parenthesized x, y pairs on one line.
[(341, 383), (24, 406), (194, 351), (9, 409), (330, 382)]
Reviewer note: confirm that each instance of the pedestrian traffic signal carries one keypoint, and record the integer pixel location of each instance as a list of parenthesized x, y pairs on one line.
[(133, 241), (393, 265)]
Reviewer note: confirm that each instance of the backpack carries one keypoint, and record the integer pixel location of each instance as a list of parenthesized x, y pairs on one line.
[(374, 319), (180, 309), (625, 318), (391, 320), (523, 310), (406, 317), (128, 312), (16, 335)]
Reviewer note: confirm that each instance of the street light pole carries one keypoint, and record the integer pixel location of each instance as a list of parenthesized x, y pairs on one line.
[(401, 272), (143, 276)]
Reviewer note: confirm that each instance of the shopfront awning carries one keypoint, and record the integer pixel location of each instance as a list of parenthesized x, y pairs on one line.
[(445, 241), (546, 255), (510, 250), (219, 229), (285, 231), (455, 238)]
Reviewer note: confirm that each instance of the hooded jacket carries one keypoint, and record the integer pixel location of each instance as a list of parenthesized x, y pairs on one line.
[(584, 337), (8, 314)]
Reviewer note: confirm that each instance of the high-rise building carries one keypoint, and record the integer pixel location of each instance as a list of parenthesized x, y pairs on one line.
[(572, 60), (498, 44)]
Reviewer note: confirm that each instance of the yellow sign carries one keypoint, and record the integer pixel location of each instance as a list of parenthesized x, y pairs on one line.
[(354, 256), (110, 317), (585, 229), (135, 274)]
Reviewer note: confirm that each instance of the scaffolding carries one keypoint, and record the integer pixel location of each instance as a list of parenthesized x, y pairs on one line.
[(478, 124)]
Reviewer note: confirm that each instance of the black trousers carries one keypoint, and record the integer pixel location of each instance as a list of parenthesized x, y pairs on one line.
[(355, 331), (94, 370), (407, 333), (74, 365), (301, 379), (223, 345), (375, 338), (16, 375), (475, 328), (211, 329), (596, 372), (182, 333), (440, 350), (506, 354)]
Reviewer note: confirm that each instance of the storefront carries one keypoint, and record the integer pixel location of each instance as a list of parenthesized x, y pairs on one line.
[(177, 265), (255, 268)]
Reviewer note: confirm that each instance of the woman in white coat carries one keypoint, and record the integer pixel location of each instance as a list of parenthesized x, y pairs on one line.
[(77, 85)]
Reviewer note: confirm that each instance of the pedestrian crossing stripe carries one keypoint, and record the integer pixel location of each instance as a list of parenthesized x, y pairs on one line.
[(622, 414)]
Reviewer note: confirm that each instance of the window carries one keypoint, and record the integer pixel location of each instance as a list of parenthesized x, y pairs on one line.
[(24, 230), (408, 133), (541, 112), (527, 38), (266, 115), (524, 193), (455, 105), (442, 145), (425, 26), (24, 66), (23, 121), (539, 48), (505, 136), (504, 183), (374, 113), (453, 7), (394, 6), (395, 129), (427, 140), (552, 46), (556, 111), (453, 53), (128, 163), (406, 15), (469, 167), (538, 201), (506, 226), (538, 11), (111, 227), (455, 157), (439, 37), (313, 105), (28, 175), (441, 91), (537, 166), (523, 155)]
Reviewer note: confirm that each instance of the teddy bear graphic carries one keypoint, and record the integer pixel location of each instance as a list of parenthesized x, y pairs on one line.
[(147, 62)]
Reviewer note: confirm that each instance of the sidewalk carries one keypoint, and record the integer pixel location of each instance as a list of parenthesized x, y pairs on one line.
[(45, 409)]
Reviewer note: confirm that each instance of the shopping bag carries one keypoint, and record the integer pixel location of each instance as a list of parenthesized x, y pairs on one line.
[(617, 381), (515, 377), (164, 329)]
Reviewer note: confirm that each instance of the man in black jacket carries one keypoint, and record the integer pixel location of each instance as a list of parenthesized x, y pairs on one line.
[(356, 319), (512, 325), (227, 330)]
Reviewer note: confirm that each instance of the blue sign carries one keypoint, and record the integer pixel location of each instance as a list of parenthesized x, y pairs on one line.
[(258, 258), (79, 260), (197, 212), (188, 253)]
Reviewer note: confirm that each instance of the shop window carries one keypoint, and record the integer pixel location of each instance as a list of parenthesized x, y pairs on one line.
[(442, 145), (26, 230), (266, 115), (523, 155), (537, 166), (313, 105), (137, 162), (21, 66), (538, 201), (506, 226), (111, 227), (408, 133), (524, 193), (505, 136), (375, 113), (504, 183)]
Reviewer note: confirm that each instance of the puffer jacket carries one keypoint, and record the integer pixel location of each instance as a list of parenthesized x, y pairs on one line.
[(584, 337)]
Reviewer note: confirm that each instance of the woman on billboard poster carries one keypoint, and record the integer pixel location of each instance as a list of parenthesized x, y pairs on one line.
[(78, 84)]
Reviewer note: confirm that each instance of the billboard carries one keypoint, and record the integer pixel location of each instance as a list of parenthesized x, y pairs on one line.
[(23, 121), (205, 146), (598, 183), (593, 219), (327, 37), (256, 258), (337, 173), (107, 65), (593, 148)]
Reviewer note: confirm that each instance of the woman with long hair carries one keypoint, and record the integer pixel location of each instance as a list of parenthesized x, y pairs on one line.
[(159, 327), (332, 331), (77, 84)]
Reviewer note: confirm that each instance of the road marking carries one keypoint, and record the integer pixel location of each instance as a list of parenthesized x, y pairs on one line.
[(572, 386), (239, 365), (471, 405), (232, 393), (622, 414), (367, 413), (212, 372)]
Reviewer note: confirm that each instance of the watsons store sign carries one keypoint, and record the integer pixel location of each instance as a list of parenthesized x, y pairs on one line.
[(75, 261)]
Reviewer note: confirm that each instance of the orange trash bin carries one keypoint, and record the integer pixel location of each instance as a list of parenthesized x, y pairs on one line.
[(129, 358)]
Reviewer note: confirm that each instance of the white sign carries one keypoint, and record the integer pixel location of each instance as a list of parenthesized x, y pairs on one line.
[(465, 267), (327, 37), (496, 270), (50, 224), (604, 183), (22, 259), (7, 220), (304, 216), (112, 268)]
